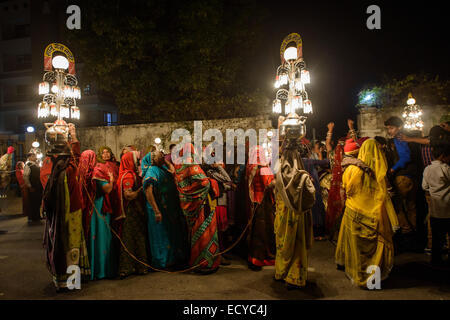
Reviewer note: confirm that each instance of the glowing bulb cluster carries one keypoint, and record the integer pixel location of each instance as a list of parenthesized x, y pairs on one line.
[(412, 115)]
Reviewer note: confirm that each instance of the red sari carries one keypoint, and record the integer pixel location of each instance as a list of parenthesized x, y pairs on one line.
[(87, 187), (132, 216), (336, 195), (261, 238)]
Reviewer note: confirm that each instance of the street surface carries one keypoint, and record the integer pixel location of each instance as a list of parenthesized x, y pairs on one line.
[(23, 275)]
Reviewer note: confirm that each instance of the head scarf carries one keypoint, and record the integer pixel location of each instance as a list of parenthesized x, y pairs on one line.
[(352, 147), (100, 152), (127, 149), (361, 181), (146, 163)]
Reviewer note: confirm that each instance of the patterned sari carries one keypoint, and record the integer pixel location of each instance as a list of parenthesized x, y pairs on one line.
[(199, 210)]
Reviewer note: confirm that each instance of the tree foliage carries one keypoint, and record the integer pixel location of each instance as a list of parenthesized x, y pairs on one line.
[(165, 60), (426, 89)]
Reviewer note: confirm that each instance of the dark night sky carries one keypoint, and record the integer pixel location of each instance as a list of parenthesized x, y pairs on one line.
[(343, 55)]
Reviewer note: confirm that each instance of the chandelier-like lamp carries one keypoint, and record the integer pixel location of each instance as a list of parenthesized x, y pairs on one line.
[(60, 91), (291, 96), (412, 115)]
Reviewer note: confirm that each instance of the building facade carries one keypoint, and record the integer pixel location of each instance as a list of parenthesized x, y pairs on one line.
[(26, 28)]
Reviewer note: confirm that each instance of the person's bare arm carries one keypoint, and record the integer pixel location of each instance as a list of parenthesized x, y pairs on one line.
[(412, 139), (107, 188), (329, 136), (130, 194), (351, 129), (151, 199)]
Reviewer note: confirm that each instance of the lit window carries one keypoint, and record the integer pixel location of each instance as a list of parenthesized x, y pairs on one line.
[(87, 90)]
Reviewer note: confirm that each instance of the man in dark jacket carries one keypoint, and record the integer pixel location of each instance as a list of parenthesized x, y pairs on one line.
[(405, 174)]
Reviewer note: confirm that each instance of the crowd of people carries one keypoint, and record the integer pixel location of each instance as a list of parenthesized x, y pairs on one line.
[(142, 211)]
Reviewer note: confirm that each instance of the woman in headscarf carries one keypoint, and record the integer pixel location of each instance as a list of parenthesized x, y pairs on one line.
[(260, 240), (64, 236), (20, 166), (101, 249), (336, 195), (295, 196), (369, 220), (132, 218), (166, 224), (198, 208), (87, 187)]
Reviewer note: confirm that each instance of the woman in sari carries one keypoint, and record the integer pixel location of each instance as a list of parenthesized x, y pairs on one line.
[(133, 229), (20, 166), (295, 196), (369, 220), (101, 249), (199, 210), (64, 236), (260, 239), (87, 187), (166, 224), (336, 195)]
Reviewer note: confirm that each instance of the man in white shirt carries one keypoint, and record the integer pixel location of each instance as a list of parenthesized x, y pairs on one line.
[(436, 181)]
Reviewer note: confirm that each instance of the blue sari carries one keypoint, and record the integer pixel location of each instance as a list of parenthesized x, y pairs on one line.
[(100, 249), (168, 239)]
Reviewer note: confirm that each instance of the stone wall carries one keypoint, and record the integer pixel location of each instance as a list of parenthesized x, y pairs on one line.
[(143, 135), (371, 120)]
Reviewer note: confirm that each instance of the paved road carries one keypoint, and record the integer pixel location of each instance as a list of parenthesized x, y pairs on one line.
[(23, 275)]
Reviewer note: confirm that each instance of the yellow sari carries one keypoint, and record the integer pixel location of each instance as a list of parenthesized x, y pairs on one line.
[(369, 220)]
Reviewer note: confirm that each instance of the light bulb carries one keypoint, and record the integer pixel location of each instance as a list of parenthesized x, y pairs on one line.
[(60, 62), (44, 87), (304, 76), (290, 54), (35, 144)]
